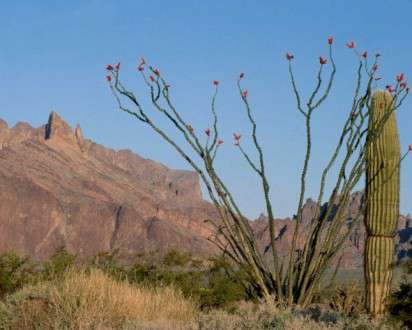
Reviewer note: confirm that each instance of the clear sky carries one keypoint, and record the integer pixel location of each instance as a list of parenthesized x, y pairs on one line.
[(53, 55)]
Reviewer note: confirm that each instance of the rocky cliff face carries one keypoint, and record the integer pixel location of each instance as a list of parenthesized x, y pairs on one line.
[(59, 189)]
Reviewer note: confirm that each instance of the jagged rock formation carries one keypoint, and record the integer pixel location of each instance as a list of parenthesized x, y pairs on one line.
[(58, 188)]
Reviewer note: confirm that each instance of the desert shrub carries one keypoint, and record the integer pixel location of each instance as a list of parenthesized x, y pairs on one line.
[(400, 303), (108, 263), (94, 300), (348, 299), (211, 286), (262, 317), (58, 264), (15, 272), (176, 258)]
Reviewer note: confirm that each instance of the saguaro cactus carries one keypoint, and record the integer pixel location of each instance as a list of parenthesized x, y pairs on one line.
[(382, 200)]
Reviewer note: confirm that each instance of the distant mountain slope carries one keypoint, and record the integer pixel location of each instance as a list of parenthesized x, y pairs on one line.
[(57, 188)]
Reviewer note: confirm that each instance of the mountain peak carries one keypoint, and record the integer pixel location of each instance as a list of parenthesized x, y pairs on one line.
[(58, 130)]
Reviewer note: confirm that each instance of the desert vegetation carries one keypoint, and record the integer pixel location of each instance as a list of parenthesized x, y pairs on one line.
[(173, 291)]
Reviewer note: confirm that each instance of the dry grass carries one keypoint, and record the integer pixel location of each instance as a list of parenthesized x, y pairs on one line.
[(92, 300)]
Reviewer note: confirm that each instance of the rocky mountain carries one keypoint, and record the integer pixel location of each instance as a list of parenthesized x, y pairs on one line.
[(59, 189)]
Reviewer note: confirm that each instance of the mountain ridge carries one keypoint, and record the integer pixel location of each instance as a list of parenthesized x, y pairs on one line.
[(59, 188)]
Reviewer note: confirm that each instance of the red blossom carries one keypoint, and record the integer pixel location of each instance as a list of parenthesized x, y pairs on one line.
[(109, 67), (244, 93), (330, 40), (403, 85), (219, 142), (322, 60), (410, 147), (152, 78), (156, 72), (237, 136), (351, 44), (289, 56), (241, 75), (400, 77), (365, 55), (207, 131), (216, 82), (109, 78), (118, 66), (389, 88)]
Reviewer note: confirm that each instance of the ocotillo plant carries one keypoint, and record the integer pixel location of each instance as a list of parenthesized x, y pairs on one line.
[(382, 201), (296, 277)]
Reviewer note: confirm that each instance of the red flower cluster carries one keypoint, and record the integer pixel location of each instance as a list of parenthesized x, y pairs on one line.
[(118, 66), (322, 60), (351, 44), (220, 142), (141, 64), (207, 131), (389, 88), (109, 67), (109, 78), (216, 82), (152, 78), (244, 93), (289, 56), (400, 77), (237, 137), (156, 72), (330, 40)]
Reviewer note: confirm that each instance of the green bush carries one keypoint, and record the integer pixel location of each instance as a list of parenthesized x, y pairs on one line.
[(58, 264), (15, 272), (400, 304)]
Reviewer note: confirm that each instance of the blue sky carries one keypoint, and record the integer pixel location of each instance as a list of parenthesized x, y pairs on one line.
[(53, 56)]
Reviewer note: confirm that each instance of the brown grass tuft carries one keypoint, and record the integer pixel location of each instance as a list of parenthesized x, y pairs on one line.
[(92, 300)]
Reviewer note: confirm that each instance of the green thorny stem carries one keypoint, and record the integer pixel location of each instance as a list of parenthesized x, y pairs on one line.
[(260, 170), (233, 234), (235, 229), (310, 107)]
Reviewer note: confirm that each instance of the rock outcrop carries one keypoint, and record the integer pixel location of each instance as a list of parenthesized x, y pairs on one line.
[(59, 189)]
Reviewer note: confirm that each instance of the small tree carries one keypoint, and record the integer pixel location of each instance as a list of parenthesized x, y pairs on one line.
[(295, 278)]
